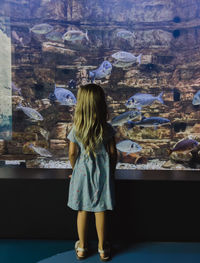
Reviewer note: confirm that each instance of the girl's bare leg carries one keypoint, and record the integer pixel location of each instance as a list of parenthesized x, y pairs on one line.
[(82, 227), (100, 218)]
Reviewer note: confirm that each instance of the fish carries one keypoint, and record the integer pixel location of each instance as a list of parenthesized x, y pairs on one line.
[(74, 35), (196, 98), (17, 38), (101, 72), (125, 34), (140, 100), (42, 29), (55, 36), (185, 145), (72, 84), (32, 113), (126, 57), (128, 146), (37, 129), (149, 122), (15, 89), (120, 64), (64, 96), (44, 133), (124, 117), (41, 151)]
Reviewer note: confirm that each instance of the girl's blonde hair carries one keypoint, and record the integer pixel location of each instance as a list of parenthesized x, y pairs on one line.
[(90, 117)]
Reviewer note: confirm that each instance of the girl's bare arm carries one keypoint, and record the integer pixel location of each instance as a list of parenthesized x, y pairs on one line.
[(112, 151), (73, 153)]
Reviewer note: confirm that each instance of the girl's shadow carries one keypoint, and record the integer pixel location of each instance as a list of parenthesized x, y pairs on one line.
[(116, 248)]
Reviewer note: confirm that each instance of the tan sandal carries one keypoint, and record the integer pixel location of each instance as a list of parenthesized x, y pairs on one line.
[(77, 248), (104, 251)]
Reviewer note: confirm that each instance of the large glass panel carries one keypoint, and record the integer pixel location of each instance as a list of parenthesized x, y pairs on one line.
[(154, 79)]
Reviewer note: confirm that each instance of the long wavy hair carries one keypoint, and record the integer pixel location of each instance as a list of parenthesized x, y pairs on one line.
[(90, 118)]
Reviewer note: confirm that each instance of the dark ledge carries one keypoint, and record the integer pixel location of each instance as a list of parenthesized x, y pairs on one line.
[(121, 174)]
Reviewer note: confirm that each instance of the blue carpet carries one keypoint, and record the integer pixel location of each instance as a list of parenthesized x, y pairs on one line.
[(58, 251)]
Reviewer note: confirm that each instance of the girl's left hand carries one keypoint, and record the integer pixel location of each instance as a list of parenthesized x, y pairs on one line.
[(69, 176)]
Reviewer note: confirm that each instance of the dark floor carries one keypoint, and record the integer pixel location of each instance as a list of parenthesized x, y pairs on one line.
[(59, 251)]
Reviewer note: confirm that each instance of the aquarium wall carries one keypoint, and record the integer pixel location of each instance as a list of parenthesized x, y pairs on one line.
[(145, 55), (5, 80)]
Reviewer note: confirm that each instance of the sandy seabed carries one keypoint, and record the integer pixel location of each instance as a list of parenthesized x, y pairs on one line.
[(154, 164)]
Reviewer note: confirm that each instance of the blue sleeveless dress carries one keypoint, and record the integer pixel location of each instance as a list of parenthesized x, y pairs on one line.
[(91, 185)]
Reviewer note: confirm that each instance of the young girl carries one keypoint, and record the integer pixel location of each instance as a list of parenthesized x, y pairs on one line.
[(93, 157)]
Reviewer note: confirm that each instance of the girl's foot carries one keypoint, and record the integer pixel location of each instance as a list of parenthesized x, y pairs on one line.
[(81, 253), (104, 253)]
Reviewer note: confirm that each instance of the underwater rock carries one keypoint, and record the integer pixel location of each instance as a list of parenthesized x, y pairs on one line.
[(23, 136), (16, 100), (49, 47), (173, 165), (196, 128), (169, 164), (2, 147), (59, 147), (35, 163), (45, 103), (59, 131), (56, 144), (181, 156), (132, 158), (14, 147), (179, 167)]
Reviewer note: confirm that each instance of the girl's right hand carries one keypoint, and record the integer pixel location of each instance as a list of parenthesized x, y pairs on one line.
[(69, 176)]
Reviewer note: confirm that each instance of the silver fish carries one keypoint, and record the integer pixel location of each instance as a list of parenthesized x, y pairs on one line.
[(33, 114), (140, 100), (41, 29), (104, 69), (149, 122), (124, 117), (17, 38), (128, 146), (196, 98), (74, 35), (15, 89), (125, 34), (127, 57), (120, 64), (41, 151), (44, 133), (72, 84), (37, 129), (55, 36), (64, 96)]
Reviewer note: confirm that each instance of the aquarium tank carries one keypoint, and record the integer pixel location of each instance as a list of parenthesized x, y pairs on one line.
[(144, 53)]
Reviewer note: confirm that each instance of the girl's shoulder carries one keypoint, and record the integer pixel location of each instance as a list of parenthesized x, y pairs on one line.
[(72, 136)]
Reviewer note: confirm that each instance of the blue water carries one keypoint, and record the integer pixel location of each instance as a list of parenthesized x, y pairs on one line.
[(58, 251)]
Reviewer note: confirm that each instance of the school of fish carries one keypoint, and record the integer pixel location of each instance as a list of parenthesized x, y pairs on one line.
[(122, 59)]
